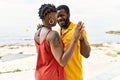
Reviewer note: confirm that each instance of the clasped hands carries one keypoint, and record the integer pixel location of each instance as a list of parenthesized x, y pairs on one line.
[(78, 31)]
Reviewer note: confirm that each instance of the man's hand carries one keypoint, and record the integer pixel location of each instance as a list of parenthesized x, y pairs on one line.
[(78, 30), (39, 26)]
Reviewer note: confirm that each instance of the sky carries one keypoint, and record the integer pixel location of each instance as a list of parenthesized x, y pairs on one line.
[(20, 14)]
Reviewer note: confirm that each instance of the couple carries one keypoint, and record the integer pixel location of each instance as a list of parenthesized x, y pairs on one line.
[(59, 53)]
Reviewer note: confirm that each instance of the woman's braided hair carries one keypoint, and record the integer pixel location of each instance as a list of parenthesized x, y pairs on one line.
[(45, 9)]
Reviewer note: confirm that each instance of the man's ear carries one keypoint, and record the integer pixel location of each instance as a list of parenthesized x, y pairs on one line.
[(69, 15)]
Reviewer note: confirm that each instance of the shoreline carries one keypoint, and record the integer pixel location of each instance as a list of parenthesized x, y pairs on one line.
[(21, 59)]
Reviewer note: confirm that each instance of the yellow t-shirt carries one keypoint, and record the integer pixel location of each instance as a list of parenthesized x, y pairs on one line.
[(73, 70)]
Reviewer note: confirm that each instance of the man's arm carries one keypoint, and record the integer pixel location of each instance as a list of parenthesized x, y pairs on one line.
[(84, 49), (84, 45)]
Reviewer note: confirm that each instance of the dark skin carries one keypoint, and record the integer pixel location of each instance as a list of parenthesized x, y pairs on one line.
[(54, 42), (63, 21), (85, 49)]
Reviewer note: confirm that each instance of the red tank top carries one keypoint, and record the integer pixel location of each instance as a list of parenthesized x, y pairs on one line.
[(47, 67)]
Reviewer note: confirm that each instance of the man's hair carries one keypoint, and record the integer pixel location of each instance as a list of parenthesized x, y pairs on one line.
[(65, 7), (45, 9)]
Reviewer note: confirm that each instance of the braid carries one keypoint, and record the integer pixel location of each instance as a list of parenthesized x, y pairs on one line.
[(45, 9)]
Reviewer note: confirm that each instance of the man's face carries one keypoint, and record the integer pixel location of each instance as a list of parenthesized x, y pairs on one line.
[(62, 18)]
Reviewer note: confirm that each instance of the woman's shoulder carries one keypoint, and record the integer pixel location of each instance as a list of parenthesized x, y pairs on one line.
[(53, 34)]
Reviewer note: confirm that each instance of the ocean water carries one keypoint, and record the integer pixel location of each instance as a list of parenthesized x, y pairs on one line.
[(14, 35), (26, 35)]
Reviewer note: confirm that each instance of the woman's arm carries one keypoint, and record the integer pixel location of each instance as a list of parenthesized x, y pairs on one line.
[(57, 48)]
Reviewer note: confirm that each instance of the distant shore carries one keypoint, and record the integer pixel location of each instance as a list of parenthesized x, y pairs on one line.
[(117, 32)]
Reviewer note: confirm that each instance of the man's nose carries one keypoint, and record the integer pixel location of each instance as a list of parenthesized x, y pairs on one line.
[(59, 18)]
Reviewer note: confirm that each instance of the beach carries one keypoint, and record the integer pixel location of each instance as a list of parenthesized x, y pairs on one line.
[(18, 61), (18, 25)]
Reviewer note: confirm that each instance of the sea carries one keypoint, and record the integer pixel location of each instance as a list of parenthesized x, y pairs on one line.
[(25, 35)]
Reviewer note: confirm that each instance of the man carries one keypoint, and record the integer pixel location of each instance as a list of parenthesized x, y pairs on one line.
[(73, 70)]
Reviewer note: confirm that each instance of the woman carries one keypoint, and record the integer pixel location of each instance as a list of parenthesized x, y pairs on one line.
[(51, 55)]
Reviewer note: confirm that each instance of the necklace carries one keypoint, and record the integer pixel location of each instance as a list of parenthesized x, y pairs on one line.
[(46, 27)]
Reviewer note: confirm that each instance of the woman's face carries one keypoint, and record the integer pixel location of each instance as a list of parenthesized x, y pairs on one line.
[(51, 19)]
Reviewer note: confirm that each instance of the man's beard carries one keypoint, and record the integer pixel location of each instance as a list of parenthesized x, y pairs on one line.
[(66, 23)]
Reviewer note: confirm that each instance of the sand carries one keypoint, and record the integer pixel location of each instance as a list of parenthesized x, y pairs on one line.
[(17, 62)]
